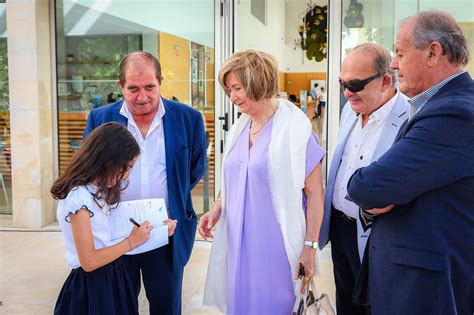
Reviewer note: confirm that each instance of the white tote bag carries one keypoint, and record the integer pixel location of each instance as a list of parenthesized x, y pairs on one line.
[(307, 304)]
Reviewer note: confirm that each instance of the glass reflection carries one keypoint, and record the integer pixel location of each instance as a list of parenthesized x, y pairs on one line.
[(93, 36)]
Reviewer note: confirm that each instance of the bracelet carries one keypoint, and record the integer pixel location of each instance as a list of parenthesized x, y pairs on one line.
[(129, 242)]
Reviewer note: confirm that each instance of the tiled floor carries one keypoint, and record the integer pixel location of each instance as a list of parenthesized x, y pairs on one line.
[(33, 269)]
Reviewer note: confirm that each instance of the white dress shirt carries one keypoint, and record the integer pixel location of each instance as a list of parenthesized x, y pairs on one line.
[(148, 176), (358, 153)]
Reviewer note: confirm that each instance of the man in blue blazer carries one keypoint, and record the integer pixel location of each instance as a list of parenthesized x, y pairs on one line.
[(172, 144), (369, 124), (421, 252)]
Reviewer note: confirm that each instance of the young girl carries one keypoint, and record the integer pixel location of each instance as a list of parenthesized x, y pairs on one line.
[(88, 191)]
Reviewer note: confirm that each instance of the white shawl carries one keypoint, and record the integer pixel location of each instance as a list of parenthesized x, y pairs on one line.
[(286, 169)]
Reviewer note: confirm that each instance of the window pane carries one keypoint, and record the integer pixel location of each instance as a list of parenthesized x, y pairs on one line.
[(5, 149), (92, 38), (379, 21)]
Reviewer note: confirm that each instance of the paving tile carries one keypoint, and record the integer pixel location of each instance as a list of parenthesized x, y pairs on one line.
[(33, 269)]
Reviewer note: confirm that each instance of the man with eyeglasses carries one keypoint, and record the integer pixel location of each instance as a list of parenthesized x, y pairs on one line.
[(370, 121), (421, 253)]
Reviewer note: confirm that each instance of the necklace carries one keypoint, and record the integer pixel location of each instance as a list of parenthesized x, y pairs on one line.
[(253, 132)]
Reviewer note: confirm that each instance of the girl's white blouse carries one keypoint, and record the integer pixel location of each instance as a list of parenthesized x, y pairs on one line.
[(82, 197)]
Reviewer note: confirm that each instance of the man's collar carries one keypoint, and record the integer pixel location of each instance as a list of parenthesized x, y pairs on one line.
[(381, 113), (126, 113), (422, 98)]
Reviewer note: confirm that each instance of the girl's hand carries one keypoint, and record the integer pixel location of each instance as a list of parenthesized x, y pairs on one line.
[(140, 235), (171, 226), (308, 261)]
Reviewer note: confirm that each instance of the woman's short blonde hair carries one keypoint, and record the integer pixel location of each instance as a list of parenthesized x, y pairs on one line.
[(258, 72)]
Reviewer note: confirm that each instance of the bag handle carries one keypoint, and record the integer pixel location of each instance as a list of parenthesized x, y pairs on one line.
[(298, 297), (311, 283), (322, 301)]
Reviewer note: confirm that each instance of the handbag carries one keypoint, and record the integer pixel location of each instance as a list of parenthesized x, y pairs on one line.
[(307, 304)]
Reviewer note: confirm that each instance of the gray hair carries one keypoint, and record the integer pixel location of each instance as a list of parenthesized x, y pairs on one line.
[(437, 26), (381, 59)]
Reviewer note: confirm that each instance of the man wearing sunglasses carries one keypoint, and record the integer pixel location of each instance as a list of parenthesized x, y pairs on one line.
[(370, 121), (421, 252)]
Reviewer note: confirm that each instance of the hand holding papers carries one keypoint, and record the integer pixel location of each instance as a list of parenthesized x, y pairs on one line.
[(153, 210)]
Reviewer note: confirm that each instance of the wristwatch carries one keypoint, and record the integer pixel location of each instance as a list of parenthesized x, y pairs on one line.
[(311, 244)]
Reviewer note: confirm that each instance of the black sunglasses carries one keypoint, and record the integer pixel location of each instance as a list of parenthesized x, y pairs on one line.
[(357, 85)]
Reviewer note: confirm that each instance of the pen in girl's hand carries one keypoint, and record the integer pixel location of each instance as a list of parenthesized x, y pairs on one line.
[(134, 222)]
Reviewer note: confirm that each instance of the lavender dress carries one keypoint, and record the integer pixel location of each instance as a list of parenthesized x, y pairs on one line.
[(258, 272)]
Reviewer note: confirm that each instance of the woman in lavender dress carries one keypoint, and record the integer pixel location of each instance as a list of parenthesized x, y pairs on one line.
[(269, 210)]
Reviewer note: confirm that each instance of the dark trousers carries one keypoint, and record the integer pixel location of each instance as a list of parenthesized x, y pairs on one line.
[(345, 257), (163, 284), (320, 106)]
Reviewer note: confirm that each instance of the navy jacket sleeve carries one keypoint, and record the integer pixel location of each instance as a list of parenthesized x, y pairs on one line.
[(435, 151), (198, 154)]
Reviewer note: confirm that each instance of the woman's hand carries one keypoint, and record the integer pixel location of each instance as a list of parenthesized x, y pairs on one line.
[(308, 260), (171, 225), (140, 235), (208, 221)]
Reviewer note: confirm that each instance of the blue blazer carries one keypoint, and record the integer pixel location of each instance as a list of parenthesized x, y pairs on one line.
[(395, 119), (185, 157), (421, 254)]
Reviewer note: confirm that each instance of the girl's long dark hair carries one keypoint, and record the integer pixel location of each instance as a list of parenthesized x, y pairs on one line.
[(104, 156)]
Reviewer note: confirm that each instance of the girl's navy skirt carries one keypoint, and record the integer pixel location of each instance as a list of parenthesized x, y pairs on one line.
[(106, 290)]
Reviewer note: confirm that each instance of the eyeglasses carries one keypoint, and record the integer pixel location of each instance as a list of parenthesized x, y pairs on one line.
[(357, 85)]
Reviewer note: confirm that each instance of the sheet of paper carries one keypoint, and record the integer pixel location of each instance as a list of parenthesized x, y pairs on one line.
[(153, 210)]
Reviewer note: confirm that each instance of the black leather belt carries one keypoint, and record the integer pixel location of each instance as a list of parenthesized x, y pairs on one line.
[(341, 214)]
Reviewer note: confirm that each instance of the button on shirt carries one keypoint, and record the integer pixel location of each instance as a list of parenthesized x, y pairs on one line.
[(148, 176), (358, 153)]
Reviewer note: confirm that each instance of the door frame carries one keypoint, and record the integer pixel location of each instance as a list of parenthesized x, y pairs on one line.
[(225, 34)]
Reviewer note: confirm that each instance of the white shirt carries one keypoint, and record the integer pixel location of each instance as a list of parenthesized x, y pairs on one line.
[(148, 176), (315, 93), (358, 153), (322, 98), (77, 198)]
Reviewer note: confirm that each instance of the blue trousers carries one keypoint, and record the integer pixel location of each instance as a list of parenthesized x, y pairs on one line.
[(163, 284)]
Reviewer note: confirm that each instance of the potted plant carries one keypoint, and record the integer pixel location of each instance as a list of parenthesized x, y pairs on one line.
[(313, 33)]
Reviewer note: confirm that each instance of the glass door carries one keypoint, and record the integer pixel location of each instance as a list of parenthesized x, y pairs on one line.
[(93, 36), (5, 143), (225, 113), (295, 32)]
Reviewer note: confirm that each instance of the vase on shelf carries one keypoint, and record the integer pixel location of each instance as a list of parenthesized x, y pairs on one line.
[(77, 84)]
